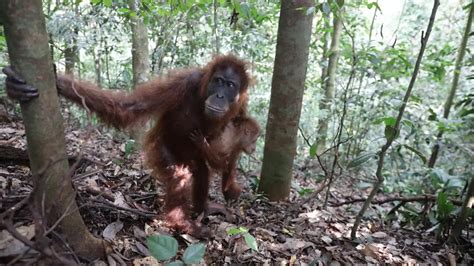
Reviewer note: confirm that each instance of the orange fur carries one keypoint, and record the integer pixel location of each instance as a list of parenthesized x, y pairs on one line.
[(177, 103)]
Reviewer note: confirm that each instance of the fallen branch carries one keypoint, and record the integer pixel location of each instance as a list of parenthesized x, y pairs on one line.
[(109, 205), (424, 198)]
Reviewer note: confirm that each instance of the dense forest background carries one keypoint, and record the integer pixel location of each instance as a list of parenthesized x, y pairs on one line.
[(367, 48)]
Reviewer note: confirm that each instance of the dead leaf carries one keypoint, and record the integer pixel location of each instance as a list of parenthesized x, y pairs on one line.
[(142, 249), (379, 235), (138, 233), (291, 244), (326, 239), (145, 261), (10, 246), (369, 250), (111, 230)]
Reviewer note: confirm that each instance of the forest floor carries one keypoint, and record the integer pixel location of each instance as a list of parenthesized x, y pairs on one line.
[(121, 202)]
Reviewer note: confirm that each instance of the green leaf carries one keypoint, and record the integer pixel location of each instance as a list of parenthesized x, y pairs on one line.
[(237, 230), (374, 4), (129, 147), (390, 132), (417, 152), (310, 11), (107, 3), (123, 10), (445, 206), (313, 150), (305, 191), (408, 123), (194, 253), (326, 8), (432, 116), (358, 161), (251, 241), (388, 120), (162, 247), (175, 263)]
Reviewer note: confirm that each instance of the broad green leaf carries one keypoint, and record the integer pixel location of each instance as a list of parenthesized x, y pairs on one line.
[(123, 10), (358, 161), (390, 132), (456, 183), (129, 147), (312, 150), (388, 120), (162, 247), (237, 230), (194, 253), (417, 152), (445, 206), (251, 241), (107, 3), (432, 116), (374, 4), (304, 191), (175, 263)]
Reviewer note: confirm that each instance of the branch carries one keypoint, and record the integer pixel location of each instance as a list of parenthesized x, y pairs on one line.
[(423, 198)]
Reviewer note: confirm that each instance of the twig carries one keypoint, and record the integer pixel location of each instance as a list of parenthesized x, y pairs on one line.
[(45, 250), (112, 206), (394, 130), (424, 198)]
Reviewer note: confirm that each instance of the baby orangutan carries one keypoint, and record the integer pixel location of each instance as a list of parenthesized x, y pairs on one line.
[(240, 135)]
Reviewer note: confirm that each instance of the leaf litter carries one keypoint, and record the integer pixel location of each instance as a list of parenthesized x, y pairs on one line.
[(124, 206)]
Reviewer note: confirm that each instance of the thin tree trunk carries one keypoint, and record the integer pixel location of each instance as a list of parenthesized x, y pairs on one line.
[(461, 220), (98, 74), (140, 54), (70, 53), (325, 40), (392, 132), (454, 85), (54, 195), (329, 87), (216, 29), (291, 60), (359, 88)]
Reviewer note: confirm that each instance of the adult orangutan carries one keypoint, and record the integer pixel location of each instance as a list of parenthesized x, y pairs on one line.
[(222, 153), (204, 99)]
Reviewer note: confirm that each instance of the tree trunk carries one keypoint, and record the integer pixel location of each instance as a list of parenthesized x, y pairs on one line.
[(140, 64), (70, 53), (291, 60), (454, 85), (98, 75), (468, 203), (329, 83), (27, 42)]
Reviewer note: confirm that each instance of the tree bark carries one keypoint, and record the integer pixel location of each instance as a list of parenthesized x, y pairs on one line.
[(140, 54), (461, 219), (330, 81), (291, 60), (27, 42), (454, 85)]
